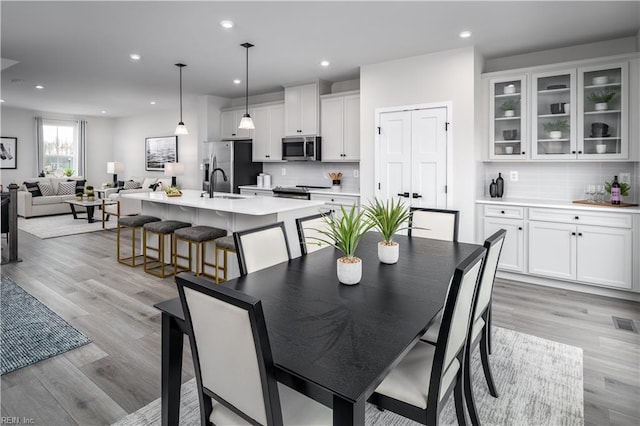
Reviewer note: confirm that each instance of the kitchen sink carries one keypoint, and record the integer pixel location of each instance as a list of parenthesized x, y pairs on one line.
[(229, 197)]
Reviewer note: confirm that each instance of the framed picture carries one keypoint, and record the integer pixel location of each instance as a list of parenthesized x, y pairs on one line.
[(160, 150), (8, 153)]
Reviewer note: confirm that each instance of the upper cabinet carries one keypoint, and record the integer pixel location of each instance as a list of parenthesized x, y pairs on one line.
[(267, 139), (340, 127), (302, 109), (573, 113), (229, 122), (508, 118)]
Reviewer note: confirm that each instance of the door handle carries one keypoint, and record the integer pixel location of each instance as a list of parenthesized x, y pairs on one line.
[(403, 194), (416, 195)]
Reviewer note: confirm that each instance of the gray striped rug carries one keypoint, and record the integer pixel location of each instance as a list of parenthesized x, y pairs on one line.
[(539, 381), (29, 331)]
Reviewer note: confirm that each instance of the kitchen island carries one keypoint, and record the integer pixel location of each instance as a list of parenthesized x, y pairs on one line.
[(233, 212)]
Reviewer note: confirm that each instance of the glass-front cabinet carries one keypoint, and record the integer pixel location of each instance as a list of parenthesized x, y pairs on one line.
[(553, 133), (508, 123), (602, 108)]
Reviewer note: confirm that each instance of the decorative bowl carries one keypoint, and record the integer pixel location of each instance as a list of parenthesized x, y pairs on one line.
[(603, 79), (509, 89), (510, 135)]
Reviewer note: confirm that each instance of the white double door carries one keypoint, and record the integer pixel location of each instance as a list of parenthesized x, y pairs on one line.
[(412, 156)]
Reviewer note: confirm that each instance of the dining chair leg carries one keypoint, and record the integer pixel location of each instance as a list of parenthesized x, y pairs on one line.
[(484, 357), (488, 328), (468, 390), (458, 400)]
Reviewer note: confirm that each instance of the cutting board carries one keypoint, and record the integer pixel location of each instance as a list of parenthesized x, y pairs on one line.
[(604, 204)]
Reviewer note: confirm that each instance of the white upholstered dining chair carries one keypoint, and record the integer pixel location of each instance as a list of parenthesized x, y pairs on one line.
[(259, 248), (308, 233), (434, 223), (420, 385), (233, 363)]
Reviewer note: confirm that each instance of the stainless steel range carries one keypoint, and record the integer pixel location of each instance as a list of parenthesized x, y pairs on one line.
[(300, 192)]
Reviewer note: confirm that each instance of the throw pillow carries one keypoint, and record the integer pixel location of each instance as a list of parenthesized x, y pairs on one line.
[(148, 182), (32, 187), (79, 184), (131, 184), (66, 188), (45, 189)]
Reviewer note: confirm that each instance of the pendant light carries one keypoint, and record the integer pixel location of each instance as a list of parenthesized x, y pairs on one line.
[(181, 129), (247, 122)]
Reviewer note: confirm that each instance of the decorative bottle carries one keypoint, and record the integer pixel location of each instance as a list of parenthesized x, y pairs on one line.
[(499, 186), (493, 189), (615, 191)]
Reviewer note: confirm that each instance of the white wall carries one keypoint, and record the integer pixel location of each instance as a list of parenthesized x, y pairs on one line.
[(20, 123), (435, 78), (129, 135)]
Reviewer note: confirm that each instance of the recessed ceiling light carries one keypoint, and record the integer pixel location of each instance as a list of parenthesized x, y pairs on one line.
[(135, 57), (465, 34), (152, 102), (1, 101), (226, 24), (325, 63), (236, 81), (103, 112), (39, 86)]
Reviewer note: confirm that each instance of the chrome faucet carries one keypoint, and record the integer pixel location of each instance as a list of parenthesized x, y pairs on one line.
[(212, 179)]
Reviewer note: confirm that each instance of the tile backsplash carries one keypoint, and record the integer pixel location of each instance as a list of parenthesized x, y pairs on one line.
[(558, 181), (313, 173)]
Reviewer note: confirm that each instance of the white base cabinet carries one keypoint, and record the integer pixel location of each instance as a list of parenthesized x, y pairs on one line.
[(335, 202), (512, 257), (257, 192)]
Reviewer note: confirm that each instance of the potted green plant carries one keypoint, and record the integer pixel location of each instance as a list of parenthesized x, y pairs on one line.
[(601, 98), (555, 128), (344, 233), (90, 193), (68, 171), (79, 196), (508, 107), (388, 218)]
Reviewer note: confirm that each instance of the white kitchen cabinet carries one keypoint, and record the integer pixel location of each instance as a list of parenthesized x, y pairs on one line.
[(302, 108), (268, 134), (604, 256), (335, 202), (229, 122), (340, 127), (257, 192), (507, 125), (552, 250), (512, 255)]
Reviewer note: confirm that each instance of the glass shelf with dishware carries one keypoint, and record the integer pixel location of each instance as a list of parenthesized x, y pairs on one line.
[(564, 114), (610, 111), (508, 117)]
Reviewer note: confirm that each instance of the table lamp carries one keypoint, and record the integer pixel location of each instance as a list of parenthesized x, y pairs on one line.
[(173, 170), (115, 168)]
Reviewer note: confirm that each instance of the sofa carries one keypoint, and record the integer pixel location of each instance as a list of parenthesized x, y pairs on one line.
[(129, 207), (30, 206)]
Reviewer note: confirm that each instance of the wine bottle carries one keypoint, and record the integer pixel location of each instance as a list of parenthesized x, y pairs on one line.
[(499, 186), (615, 191), (493, 189)]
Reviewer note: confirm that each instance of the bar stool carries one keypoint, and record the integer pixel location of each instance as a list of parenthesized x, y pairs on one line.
[(200, 236), (224, 245), (161, 229), (135, 223)]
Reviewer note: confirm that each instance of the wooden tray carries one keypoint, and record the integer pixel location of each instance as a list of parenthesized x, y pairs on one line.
[(174, 195), (603, 204)]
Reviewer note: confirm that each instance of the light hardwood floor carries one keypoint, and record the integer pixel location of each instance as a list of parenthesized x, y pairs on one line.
[(79, 279)]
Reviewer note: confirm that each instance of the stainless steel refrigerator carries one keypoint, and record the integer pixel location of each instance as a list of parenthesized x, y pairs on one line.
[(234, 158)]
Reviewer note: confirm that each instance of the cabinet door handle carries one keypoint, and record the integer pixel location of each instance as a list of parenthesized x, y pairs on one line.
[(577, 217), (502, 211), (233, 134), (579, 234), (403, 194), (416, 195), (579, 152), (523, 152), (573, 233), (573, 152), (519, 228)]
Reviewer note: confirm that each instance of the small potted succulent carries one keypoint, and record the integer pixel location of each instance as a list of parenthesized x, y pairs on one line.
[(601, 98), (508, 107), (68, 171), (388, 218), (344, 233), (79, 196), (91, 195), (555, 128)]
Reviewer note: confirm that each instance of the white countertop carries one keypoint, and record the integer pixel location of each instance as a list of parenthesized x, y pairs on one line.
[(311, 190), (524, 202), (248, 205)]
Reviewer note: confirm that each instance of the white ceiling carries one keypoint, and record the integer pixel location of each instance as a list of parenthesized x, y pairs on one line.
[(79, 50)]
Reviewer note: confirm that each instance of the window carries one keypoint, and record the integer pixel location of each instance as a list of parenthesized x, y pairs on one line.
[(60, 145)]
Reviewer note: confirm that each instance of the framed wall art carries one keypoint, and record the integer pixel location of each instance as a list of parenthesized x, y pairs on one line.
[(8, 152), (160, 150)]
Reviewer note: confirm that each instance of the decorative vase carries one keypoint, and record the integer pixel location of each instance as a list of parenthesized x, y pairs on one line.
[(349, 270), (335, 185), (493, 189), (388, 252), (602, 106), (509, 113), (556, 134), (499, 186)]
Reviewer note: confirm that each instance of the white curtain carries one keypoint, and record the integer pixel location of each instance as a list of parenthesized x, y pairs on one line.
[(81, 132), (82, 148), (39, 138)]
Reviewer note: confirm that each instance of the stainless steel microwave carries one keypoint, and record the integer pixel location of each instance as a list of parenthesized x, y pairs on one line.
[(301, 148)]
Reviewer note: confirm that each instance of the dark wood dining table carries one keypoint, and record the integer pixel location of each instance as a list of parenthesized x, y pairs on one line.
[(333, 342)]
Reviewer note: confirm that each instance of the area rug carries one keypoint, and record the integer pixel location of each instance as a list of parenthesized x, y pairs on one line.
[(539, 382), (61, 225), (29, 331)]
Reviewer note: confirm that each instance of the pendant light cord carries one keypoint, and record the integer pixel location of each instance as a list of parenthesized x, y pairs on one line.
[(246, 92), (180, 93)]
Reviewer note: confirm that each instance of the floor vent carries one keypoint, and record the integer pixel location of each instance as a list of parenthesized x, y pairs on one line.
[(624, 324)]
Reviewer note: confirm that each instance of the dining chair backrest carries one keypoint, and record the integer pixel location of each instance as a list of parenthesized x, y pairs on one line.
[(230, 349), (456, 318), (261, 247), (493, 244), (309, 235), (434, 223)]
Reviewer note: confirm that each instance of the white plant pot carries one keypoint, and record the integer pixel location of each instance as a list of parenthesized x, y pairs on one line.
[(509, 113), (603, 106), (601, 148), (349, 273), (556, 134), (388, 252)]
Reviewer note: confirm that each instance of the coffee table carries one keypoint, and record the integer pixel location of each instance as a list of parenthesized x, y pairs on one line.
[(89, 205)]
